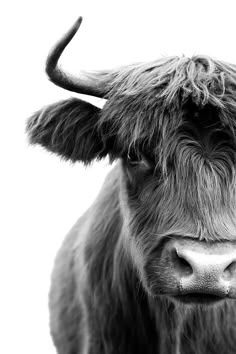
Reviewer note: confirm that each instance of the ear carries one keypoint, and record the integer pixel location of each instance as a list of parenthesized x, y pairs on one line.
[(69, 129)]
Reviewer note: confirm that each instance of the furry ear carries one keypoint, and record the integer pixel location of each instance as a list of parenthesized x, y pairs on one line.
[(69, 129)]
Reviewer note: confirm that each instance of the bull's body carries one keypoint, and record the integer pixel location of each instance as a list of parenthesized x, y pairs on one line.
[(151, 266), (97, 303)]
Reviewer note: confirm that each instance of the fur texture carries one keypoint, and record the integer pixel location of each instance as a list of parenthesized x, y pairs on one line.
[(171, 123), (68, 128)]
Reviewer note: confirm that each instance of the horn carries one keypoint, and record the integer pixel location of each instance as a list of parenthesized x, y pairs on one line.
[(88, 83)]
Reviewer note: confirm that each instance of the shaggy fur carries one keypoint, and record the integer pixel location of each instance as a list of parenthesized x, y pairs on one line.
[(68, 128), (171, 123)]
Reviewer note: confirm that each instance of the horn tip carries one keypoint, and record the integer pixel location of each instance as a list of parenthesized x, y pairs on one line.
[(78, 22)]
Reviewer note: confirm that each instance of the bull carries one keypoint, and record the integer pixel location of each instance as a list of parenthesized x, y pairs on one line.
[(151, 265)]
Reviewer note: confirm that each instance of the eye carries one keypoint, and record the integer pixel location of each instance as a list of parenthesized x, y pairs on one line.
[(140, 161), (138, 170)]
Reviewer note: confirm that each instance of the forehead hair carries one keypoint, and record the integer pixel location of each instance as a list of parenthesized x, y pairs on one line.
[(147, 102)]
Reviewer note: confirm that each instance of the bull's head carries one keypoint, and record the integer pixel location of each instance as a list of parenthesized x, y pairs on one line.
[(172, 125)]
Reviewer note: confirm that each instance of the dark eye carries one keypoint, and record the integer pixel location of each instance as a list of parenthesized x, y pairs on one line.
[(138, 170), (140, 161)]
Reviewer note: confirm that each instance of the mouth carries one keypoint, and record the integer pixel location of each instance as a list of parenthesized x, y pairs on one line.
[(198, 299)]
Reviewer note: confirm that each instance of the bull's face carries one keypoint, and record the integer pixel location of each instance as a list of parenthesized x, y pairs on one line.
[(179, 158), (172, 125), (181, 233)]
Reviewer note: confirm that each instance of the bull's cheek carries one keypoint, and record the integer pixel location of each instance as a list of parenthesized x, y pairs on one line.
[(159, 276), (138, 258)]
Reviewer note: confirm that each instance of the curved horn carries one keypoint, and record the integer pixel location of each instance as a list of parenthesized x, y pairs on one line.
[(88, 83)]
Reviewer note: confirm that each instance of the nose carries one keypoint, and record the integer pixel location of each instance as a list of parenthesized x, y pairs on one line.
[(204, 268)]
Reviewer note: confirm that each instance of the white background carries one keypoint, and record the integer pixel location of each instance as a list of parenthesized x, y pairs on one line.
[(41, 196)]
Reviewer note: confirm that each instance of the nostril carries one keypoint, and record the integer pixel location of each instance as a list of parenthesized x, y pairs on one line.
[(230, 271), (181, 265)]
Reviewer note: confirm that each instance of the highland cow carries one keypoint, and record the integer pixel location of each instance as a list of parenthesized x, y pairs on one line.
[(151, 266)]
